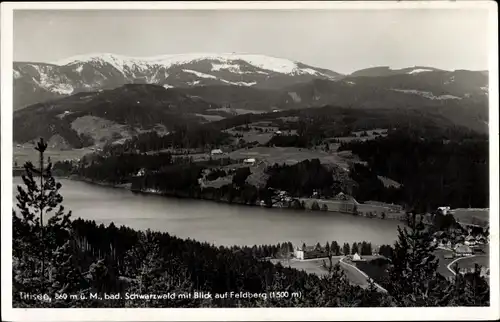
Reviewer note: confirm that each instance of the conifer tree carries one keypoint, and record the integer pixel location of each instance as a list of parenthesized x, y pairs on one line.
[(413, 277), (150, 273), (346, 249), (336, 290), (335, 248), (469, 289), (45, 256), (354, 248)]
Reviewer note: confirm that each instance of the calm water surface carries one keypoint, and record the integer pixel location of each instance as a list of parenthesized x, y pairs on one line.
[(218, 223)]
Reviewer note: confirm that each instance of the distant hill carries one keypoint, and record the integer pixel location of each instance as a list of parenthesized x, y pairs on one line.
[(238, 97), (97, 98), (459, 83), (382, 71), (461, 96), (96, 117)]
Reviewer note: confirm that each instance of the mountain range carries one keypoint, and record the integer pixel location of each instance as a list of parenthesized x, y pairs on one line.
[(113, 88), (41, 81)]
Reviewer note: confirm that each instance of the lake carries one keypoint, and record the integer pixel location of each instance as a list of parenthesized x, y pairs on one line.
[(218, 223)]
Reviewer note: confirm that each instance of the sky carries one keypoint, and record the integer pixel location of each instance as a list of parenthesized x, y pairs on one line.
[(340, 40)]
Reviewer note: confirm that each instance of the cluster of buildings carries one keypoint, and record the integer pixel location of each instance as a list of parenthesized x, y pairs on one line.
[(461, 246), (310, 252)]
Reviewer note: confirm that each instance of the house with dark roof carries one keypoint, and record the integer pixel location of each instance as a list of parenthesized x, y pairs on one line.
[(470, 241)]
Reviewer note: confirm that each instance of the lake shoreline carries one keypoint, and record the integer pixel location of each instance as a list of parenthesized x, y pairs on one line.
[(128, 186), (220, 223)]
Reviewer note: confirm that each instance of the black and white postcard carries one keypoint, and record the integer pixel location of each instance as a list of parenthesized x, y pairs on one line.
[(249, 161)]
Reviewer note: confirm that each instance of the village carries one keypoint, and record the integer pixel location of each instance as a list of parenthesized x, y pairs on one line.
[(458, 249), (361, 266)]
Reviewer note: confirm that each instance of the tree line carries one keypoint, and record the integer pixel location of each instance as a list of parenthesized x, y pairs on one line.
[(56, 255), (433, 172)]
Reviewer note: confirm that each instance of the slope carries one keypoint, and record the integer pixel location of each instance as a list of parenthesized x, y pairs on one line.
[(126, 110)]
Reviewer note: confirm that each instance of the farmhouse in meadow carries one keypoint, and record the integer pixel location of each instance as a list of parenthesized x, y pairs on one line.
[(216, 152), (250, 161)]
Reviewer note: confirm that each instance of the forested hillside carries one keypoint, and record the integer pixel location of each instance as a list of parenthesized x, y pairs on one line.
[(62, 257), (434, 171)]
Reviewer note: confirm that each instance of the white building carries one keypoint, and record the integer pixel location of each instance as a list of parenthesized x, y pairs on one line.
[(299, 254), (216, 152), (250, 161), (444, 210), (356, 257), (309, 252)]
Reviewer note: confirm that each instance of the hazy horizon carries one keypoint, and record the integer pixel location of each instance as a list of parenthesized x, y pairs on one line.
[(339, 40)]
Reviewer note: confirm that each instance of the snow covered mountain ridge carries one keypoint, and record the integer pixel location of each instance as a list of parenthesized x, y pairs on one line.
[(226, 61), (40, 82), (37, 82)]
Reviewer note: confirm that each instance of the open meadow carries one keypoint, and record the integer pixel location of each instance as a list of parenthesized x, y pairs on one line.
[(22, 154)]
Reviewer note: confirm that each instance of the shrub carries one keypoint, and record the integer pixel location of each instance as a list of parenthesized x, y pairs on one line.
[(315, 206)]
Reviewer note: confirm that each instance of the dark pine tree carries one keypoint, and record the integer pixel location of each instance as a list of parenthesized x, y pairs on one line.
[(413, 276), (354, 248), (346, 249), (45, 255)]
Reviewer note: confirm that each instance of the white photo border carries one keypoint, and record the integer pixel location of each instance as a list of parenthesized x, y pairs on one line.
[(241, 314)]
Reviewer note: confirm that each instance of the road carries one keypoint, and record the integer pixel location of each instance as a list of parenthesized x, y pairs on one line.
[(445, 267), (469, 262), (356, 276), (315, 266)]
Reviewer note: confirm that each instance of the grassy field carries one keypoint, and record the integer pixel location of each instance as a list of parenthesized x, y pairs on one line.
[(288, 155), (464, 262), (28, 153), (314, 266), (472, 216), (253, 134), (211, 117), (470, 262), (443, 262), (375, 269), (353, 272), (100, 129)]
